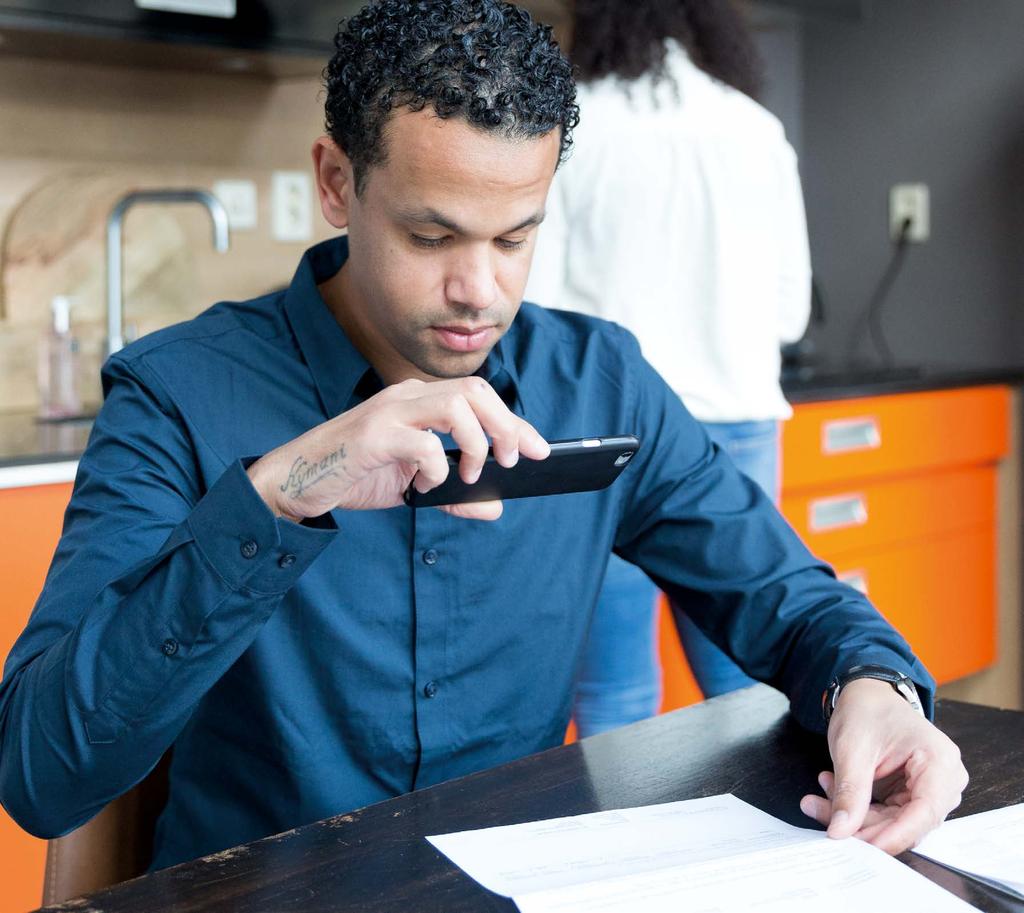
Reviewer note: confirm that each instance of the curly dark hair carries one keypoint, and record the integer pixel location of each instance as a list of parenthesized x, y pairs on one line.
[(628, 40), (482, 60)]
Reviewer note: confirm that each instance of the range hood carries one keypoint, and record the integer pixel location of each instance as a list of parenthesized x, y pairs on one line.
[(823, 9), (277, 38)]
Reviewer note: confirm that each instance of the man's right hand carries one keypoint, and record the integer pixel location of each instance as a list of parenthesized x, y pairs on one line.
[(366, 458)]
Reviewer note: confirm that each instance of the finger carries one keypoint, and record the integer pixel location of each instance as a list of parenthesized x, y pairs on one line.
[(898, 799), (468, 434), (475, 510), (532, 443), (817, 808), (820, 810), (510, 435), (814, 806), (450, 412), (432, 406), (914, 820), (409, 388), (871, 831), (881, 794), (932, 797), (826, 780), (851, 788), (423, 450)]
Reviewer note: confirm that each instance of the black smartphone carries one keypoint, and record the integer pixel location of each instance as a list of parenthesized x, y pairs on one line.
[(586, 464)]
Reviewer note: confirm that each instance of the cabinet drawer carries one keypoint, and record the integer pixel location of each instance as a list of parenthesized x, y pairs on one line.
[(939, 594), (836, 519), (891, 435)]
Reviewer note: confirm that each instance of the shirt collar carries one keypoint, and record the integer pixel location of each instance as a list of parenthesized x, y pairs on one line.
[(343, 377)]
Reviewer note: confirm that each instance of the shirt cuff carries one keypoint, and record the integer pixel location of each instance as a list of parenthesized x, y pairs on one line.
[(246, 544)]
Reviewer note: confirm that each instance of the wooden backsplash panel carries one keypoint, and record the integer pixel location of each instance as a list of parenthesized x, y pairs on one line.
[(73, 138)]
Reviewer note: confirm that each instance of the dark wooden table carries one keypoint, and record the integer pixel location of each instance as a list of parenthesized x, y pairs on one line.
[(377, 858)]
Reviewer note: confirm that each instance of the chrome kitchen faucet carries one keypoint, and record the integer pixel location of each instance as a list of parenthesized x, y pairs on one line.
[(115, 234)]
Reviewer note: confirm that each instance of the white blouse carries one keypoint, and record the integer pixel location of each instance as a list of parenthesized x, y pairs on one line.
[(679, 215)]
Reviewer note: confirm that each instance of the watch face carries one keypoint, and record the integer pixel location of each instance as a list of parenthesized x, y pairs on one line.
[(907, 690)]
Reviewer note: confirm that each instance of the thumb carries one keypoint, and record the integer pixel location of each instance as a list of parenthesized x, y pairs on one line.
[(851, 792)]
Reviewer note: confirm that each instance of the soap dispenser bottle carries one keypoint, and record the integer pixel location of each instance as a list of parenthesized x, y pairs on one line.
[(58, 368)]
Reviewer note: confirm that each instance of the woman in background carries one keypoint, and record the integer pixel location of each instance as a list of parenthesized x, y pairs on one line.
[(679, 216)]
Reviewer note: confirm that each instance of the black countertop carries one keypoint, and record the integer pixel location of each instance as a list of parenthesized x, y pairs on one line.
[(820, 384), (25, 441)]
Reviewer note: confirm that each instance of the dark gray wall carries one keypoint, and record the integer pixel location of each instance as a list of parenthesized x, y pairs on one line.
[(778, 33), (932, 91)]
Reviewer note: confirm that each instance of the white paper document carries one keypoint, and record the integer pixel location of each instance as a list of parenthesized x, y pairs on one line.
[(716, 855), (989, 846)]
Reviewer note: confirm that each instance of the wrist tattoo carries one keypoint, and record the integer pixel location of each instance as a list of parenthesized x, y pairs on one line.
[(304, 475)]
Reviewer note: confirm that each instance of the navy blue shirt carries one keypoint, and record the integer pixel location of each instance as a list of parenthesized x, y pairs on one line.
[(300, 671)]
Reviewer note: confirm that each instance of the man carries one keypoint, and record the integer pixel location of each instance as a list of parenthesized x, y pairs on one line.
[(239, 580)]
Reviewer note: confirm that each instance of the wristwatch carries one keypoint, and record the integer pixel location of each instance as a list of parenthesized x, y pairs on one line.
[(902, 685)]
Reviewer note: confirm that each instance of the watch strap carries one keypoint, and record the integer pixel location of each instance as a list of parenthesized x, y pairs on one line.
[(901, 684)]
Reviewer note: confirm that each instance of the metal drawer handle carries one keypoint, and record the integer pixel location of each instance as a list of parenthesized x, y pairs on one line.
[(835, 513), (850, 434), (857, 579)]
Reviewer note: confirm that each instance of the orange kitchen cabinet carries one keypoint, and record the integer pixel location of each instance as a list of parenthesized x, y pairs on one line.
[(939, 593), (882, 488), (898, 493), (678, 686), (898, 434), (30, 523), (835, 520)]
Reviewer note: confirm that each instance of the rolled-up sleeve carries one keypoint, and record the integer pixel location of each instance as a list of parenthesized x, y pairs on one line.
[(716, 544), (156, 588)]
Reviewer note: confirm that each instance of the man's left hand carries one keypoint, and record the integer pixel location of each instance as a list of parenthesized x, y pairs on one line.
[(896, 775)]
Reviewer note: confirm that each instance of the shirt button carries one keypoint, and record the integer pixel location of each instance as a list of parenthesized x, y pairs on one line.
[(169, 647), (430, 556), (249, 548), (430, 689), (286, 561)]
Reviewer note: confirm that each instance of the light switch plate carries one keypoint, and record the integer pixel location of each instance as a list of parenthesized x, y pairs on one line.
[(291, 198), (241, 202)]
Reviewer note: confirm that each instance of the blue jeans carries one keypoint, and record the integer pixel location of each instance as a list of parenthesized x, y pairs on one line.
[(620, 679)]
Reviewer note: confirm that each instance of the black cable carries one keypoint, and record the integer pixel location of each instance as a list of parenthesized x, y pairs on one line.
[(817, 302), (874, 310)]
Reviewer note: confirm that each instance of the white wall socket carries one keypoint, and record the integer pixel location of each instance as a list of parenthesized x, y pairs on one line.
[(291, 200), (241, 202), (910, 201)]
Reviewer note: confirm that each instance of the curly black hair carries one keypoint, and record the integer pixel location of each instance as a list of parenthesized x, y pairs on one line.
[(628, 40), (482, 60)]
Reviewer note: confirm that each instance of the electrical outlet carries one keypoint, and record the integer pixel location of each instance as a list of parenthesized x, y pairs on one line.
[(291, 194), (240, 201), (910, 201)]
